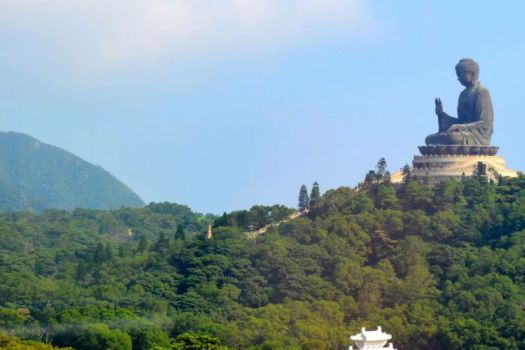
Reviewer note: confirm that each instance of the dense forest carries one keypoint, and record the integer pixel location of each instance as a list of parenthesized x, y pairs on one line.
[(438, 267)]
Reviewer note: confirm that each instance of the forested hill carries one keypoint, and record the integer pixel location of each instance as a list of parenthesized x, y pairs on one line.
[(35, 176), (439, 268)]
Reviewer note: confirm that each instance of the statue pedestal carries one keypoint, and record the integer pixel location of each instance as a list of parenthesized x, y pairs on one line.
[(433, 168), (437, 168)]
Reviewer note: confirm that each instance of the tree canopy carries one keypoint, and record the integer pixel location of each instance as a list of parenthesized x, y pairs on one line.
[(438, 267)]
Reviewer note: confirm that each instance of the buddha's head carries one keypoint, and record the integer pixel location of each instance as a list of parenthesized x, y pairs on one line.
[(467, 71)]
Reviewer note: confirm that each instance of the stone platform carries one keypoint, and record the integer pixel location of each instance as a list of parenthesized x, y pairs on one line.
[(454, 162), (439, 167), (439, 150)]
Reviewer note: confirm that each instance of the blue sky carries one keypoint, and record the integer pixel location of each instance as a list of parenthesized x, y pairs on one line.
[(221, 105)]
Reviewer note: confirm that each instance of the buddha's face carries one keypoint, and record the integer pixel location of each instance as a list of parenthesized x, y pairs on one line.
[(466, 78)]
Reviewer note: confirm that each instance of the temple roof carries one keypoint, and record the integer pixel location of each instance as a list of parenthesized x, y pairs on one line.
[(377, 335)]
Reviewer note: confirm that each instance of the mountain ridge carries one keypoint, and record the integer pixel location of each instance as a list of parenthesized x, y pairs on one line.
[(35, 176)]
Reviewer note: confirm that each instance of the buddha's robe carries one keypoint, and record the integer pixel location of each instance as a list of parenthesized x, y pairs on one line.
[(473, 126)]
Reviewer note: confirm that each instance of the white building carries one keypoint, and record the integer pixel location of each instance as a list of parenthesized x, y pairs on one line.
[(371, 339)]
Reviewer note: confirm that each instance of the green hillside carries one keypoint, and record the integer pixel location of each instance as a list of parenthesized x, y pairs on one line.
[(438, 268), (35, 176)]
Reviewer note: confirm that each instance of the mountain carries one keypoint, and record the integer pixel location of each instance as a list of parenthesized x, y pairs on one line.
[(35, 176)]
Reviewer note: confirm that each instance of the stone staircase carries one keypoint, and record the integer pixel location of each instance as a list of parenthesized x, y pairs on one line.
[(255, 233)]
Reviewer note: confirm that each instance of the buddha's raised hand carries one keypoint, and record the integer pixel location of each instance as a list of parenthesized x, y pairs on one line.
[(439, 106)]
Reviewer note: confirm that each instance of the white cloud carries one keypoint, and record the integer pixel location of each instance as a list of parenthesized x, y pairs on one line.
[(121, 31)]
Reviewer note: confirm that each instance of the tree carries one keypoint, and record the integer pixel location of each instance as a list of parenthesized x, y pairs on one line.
[(180, 235), (93, 337), (370, 179), (303, 198), (146, 336), (407, 173), (13, 343), (108, 252), (161, 244), (143, 245), (386, 196), (10, 319), (121, 251), (98, 254), (315, 193), (40, 266), (190, 341), (381, 172), (379, 176), (82, 270)]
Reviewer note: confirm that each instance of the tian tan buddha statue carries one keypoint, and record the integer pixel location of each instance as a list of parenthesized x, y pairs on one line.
[(462, 145), (473, 126)]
